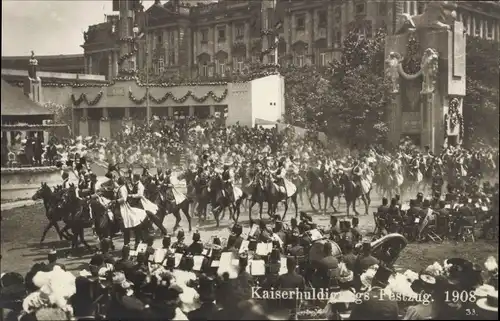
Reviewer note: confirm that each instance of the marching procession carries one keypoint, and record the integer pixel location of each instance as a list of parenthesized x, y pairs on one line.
[(234, 168)]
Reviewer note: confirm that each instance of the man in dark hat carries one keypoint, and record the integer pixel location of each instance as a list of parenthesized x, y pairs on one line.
[(265, 234), (348, 257), (180, 246), (333, 232), (125, 265), (356, 233), (420, 199), (295, 249), (237, 230), (383, 209), (378, 306), (206, 291), (365, 259), (326, 269), (290, 281), (196, 248)]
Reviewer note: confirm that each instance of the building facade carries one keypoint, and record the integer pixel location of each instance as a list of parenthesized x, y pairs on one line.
[(215, 39)]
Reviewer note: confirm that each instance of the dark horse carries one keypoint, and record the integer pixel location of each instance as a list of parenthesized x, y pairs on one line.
[(220, 200), (102, 222), (258, 196), (322, 184), (203, 198), (163, 197), (79, 216), (352, 192), (53, 209), (274, 196)]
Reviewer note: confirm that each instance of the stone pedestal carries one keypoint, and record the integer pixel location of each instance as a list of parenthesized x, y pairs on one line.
[(432, 62)]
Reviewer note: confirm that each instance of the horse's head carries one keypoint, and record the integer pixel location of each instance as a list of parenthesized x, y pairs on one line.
[(69, 197), (44, 192)]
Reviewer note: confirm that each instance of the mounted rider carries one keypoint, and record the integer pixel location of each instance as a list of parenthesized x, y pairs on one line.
[(171, 193), (65, 183), (280, 174), (228, 180)]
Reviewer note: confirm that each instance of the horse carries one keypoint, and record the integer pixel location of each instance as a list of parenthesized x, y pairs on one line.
[(189, 177), (300, 181), (352, 192), (53, 211), (316, 187), (79, 216), (102, 222), (258, 195), (165, 200), (203, 197), (275, 196), (221, 201)]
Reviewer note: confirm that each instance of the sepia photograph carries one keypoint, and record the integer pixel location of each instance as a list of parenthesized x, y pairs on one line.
[(249, 160)]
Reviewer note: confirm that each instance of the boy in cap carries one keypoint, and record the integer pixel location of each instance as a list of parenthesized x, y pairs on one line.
[(180, 246)]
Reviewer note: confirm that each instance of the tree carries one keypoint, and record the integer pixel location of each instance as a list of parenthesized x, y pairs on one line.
[(358, 100), (480, 106)]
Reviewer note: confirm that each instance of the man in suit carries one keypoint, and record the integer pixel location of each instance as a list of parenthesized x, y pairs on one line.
[(327, 267), (208, 308), (289, 282), (365, 259), (196, 248)]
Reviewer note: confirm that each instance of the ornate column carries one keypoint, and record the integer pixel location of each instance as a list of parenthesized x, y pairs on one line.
[(105, 126), (329, 23), (90, 71), (229, 40), (85, 64), (191, 111), (310, 27), (115, 63), (126, 117), (246, 39), (84, 124)]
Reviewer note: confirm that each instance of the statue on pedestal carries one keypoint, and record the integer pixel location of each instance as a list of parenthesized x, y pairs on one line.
[(429, 68), (391, 71), (437, 15)]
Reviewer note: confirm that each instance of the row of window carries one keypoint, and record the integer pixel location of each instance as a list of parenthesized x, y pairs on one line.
[(221, 33)]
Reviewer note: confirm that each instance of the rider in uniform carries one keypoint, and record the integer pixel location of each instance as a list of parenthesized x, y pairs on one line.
[(228, 179), (280, 175)]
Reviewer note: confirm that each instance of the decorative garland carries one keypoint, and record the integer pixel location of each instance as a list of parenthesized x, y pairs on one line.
[(41, 126), (411, 64), (83, 98), (453, 114), (180, 100)]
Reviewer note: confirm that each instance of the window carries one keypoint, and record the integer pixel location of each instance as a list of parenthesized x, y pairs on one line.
[(360, 8), (337, 14), (204, 35), (489, 29), (338, 39), (299, 60), (221, 67), (240, 31), (322, 19), (204, 69), (322, 59), (221, 34), (172, 38), (420, 7), (413, 8), (406, 7), (159, 39), (382, 8), (477, 26), (300, 22), (161, 66), (171, 58), (238, 64)]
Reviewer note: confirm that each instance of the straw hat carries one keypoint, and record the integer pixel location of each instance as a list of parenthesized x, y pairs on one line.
[(490, 303)]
